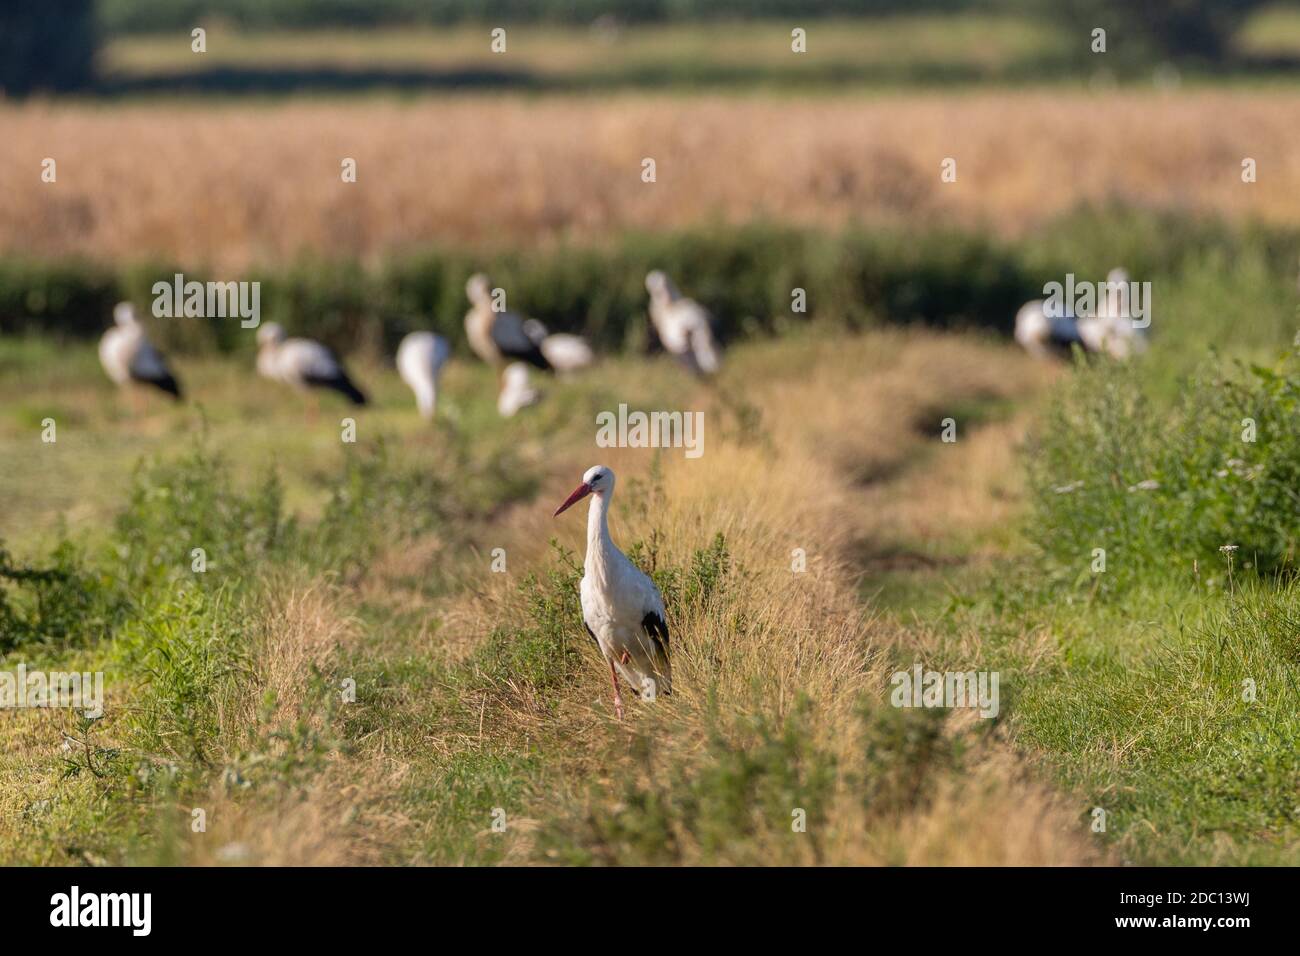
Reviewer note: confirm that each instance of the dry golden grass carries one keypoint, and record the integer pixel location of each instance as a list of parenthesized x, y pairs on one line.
[(342, 815), (229, 186), (301, 631)]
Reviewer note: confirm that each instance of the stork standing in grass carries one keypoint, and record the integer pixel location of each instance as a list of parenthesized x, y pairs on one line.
[(621, 607), (498, 338), (1110, 330), (130, 358), (302, 363), (684, 326), (420, 358)]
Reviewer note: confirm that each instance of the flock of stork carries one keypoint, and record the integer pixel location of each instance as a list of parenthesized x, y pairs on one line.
[(622, 608), (513, 344), (504, 339)]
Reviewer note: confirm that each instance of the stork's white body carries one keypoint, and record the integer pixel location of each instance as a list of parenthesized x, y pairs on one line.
[(516, 390), (295, 361), (616, 598), (302, 363), (1116, 334), (684, 326), (1036, 330), (567, 353), (621, 606), (119, 348), (127, 355), (420, 358)]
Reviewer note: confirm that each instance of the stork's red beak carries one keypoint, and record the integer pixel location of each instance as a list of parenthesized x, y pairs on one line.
[(579, 493)]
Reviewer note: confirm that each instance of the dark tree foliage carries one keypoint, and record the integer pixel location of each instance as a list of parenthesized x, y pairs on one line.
[(145, 16), (1172, 29), (46, 45)]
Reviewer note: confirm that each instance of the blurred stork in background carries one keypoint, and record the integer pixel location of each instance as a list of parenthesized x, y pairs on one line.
[(565, 352), (420, 358), (684, 326), (304, 364), (498, 338), (1109, 331), (1113, 331), (516, 390), (1041, 334), (129, 358)]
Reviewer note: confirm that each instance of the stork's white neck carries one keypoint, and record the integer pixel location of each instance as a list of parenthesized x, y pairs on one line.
[(600, 546)]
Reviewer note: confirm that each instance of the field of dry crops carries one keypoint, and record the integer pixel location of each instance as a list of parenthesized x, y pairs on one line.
[(230, 185)]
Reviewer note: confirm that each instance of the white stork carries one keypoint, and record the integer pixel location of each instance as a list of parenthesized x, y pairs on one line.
[(130, 358), (302, 363), (565, 352), (1110, 330), (420, 358), (498, 338), (1115, 333), (516, 390), (621, 607), (684, 326)]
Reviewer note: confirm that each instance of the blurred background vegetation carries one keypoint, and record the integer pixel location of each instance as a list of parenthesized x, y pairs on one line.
[(862, 275), (113, 46)]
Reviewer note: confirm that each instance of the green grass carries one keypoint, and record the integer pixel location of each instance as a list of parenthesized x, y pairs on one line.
[(279, 503), (1164, 688), (1139, 710), (1126, 686)]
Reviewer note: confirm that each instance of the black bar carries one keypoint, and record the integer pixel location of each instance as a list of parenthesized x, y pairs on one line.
[(334, 906)]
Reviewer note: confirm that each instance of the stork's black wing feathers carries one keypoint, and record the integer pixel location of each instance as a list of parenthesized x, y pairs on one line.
[(592, 633), (340, 383), (166, 381), (149, 368), (657, 628), (513, 342)]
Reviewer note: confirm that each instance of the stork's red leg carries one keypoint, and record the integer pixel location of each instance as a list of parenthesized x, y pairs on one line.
[(618, 698)]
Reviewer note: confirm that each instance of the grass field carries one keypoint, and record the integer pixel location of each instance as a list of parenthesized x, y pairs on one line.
[(474, 695), (351, 681), (476, 692)]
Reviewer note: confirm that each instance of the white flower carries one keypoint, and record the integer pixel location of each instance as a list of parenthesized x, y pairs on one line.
[(1229, 548), (1149, 485), (1238, 467), (1066, 489)]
